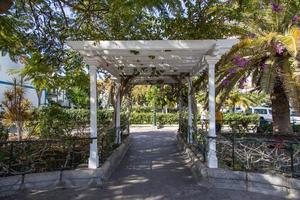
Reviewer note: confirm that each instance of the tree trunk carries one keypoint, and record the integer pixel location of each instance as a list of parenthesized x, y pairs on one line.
[(128, 105), (180, 107), (195, 111), (39, 95), (19, 131), (280, 109), (5, 5)]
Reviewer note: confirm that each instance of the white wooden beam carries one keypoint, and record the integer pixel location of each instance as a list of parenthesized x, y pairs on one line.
[(165, 45), (185, 55)]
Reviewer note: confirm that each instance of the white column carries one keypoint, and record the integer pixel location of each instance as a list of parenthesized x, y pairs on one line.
[(118, 121), (180, 120), (190, 112), (212, 156), (94, 158)]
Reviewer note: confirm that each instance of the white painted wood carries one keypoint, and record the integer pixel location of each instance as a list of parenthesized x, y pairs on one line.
[(118, 57), (212, 155), (164, 45), (118, 115), (144, 53), (94, 158), (190, 112)]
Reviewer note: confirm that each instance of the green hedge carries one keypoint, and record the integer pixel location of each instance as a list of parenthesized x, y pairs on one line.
[(240, 118), (55, 121), (241, 122), (161, 118)]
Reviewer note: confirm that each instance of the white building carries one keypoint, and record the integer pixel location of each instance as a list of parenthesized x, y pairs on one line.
[(7, 78)]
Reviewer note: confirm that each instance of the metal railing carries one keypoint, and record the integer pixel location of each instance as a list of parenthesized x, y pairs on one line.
[(274, 155), (229, 126), (252, 150), (31, 156), (43, 155)]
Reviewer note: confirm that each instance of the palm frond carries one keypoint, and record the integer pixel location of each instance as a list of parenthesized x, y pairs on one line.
[(267, 80), (291, 82)]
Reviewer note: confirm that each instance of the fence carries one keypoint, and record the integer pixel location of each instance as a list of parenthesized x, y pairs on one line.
[(247, 126), (22, 157), (253, 151), (259, 155), (41, 155)]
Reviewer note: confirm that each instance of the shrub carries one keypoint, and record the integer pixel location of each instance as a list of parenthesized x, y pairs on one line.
[(147, 117), (139, 109), (296, 128), (240, 122), (3, 132), (55, 121), (141, 118), (167, 118)]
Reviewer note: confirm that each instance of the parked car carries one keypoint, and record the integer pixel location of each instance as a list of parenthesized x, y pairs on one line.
[(1, 109), (265, 112), (295, 118)]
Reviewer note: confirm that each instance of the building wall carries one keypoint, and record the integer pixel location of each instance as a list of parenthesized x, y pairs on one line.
[(6, 80)]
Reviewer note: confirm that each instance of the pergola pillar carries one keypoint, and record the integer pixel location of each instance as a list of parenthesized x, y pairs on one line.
[(94, 158), (180, 106), (190, 112), (212, 161), (118, 114)]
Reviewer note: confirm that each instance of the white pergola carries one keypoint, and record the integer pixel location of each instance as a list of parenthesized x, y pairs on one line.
[(151, 62)]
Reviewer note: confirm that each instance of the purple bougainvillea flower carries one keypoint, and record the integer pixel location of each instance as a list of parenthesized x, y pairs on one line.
[(242, 82), (232, 71), (279, 48), (225, 82), (295, 19), (263, 65), (276, 7), (240, 62)]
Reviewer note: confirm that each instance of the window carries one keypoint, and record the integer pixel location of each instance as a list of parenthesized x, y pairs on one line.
[(294, 114), (261, 111), (270, 112), (249, 110)]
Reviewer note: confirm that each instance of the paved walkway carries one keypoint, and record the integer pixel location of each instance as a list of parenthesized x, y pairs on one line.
[(152, 169)]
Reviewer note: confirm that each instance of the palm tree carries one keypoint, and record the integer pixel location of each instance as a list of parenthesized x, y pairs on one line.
[(239, 99), (16, 108), (270, 54)]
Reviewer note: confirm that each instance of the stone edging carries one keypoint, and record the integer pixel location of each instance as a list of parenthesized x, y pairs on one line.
[(65, 179), (238, 180)]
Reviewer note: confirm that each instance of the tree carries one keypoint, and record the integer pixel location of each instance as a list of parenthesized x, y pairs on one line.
[(270, 54), (79, 97), (5, 5), (139, 93), (16, 108), (240, 99)]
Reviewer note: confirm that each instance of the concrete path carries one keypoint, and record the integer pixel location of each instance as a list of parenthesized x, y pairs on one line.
[(152, 169)]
